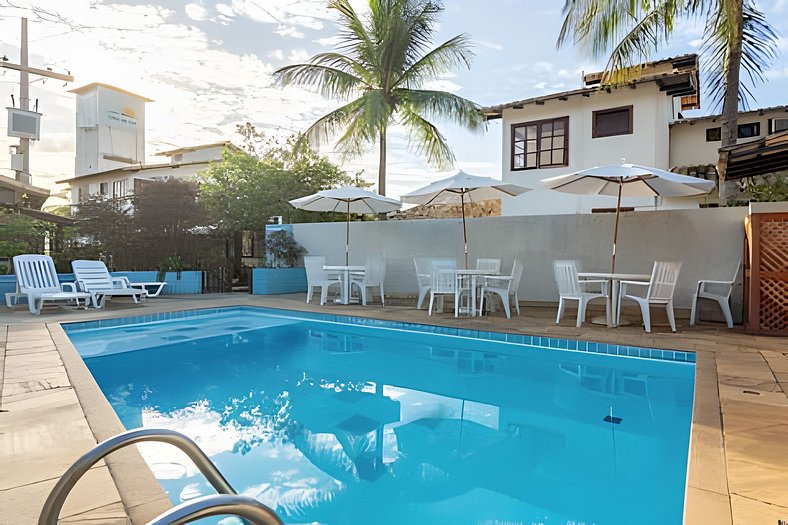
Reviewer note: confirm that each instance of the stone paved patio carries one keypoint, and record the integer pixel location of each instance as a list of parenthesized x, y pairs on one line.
[(52, 411)]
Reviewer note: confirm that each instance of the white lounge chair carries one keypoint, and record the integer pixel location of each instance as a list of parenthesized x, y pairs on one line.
[(94, 278), (373, 277), (316, 277), (659, 291), (719, 291), (571, 288), (504, 286), (36, 279)]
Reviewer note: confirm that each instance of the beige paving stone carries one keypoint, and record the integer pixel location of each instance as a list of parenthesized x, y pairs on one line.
[(748, 511), (706, 507)]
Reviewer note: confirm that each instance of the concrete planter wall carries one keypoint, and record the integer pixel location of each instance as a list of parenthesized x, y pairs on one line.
[(271, 281)]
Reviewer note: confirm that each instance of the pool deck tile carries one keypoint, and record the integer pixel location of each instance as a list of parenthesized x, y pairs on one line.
[(738, 465)]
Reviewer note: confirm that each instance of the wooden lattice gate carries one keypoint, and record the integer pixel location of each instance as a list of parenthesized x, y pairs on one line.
[(766, 274)]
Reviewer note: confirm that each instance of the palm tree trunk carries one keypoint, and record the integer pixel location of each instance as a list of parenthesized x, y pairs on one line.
[(382, 163), (730, 105), (382, 170)]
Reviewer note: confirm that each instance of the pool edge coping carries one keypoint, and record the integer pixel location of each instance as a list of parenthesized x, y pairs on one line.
[(145, 499)]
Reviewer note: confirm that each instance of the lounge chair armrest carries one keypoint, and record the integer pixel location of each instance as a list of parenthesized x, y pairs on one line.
[(72, 287), (122, 281)]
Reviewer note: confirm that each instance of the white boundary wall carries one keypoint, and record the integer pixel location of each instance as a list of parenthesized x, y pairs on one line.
[(709, 243)]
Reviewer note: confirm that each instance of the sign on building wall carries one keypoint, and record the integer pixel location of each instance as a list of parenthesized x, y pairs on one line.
[(121, 119)]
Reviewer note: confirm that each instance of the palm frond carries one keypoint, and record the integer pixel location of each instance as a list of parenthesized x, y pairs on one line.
[(371, 115), (426, 140), (329, 125), (354, 37), (328, 81), (450, 54), (758, 51), (440, 105)]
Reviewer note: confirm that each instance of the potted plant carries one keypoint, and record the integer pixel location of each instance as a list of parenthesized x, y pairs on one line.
[(280, 273)]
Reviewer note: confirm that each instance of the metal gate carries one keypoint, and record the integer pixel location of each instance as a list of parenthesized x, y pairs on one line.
[(215, 280)]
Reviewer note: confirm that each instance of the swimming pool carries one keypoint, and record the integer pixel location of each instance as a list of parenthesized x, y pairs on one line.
[(342, 420)]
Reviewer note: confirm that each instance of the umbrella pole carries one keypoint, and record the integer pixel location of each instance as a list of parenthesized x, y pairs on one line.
[(464, 231), (615, 231), (347, 236)]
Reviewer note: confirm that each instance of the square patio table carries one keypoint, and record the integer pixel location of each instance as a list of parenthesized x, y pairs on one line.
[(345, 272), (615, 280)]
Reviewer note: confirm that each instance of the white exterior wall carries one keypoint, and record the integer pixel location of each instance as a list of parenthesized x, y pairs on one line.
[(688, 146), (647, 145), (707, 241), (109, 124), (167, 173), (91, 186), (200, 155)]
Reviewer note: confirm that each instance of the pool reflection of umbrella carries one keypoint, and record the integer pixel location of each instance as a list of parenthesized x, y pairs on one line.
[(355, 419), (458, 189), (348, 199), (628, 180)]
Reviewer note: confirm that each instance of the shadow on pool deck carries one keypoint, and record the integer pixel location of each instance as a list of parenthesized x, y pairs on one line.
[(738, 459)]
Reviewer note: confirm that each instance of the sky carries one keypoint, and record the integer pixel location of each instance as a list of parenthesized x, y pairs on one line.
[(208, 66)]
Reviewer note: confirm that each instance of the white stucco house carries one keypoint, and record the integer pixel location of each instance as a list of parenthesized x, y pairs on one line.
[(110, 146), (640, 121)]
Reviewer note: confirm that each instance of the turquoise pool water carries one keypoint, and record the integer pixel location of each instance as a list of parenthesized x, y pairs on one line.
[(346, 421)]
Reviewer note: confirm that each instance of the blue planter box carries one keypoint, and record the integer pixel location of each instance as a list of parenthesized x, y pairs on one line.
[(272, 281), (189, 283)]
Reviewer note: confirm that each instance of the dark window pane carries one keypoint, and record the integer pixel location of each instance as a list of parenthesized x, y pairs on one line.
[(749, 130), (531, 132), (614, 122), (713, 134), (519, 133)]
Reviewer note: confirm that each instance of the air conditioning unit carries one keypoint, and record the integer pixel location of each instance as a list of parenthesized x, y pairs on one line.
[(24, 124)]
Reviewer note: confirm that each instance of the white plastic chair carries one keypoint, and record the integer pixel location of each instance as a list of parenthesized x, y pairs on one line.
[(317, 277), (505, 286), (719, 291), (489, 265), (443, 281), (659, 291), (423, 278), (373, 277), (36, 279), (94, 278), (571, 288)]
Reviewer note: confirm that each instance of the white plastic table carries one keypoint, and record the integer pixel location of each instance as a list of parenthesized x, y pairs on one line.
[(474, 275), (615, 280), (144, 286), (345, 272)]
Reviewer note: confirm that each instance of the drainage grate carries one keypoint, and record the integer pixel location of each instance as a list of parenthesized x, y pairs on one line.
[(612, 419)]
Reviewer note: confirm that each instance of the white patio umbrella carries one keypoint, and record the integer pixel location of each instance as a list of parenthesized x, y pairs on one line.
[(347, 199), (628, 180), (459, 189)]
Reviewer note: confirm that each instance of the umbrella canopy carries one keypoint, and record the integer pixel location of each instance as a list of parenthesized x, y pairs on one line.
[(459, 189), (628, 180), (347, 199)]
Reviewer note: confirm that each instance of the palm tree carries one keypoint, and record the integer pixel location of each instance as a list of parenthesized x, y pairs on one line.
[(382, 62), (736, 35)]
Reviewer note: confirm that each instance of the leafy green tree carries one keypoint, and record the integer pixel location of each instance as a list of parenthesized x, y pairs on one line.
[(736, 35), (382, 64), (20, 234), (243, 191)]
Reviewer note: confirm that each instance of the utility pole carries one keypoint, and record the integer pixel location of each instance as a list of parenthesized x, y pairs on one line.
[(24, 97)]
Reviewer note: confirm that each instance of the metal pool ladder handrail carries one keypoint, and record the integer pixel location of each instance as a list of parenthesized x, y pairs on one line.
[(226, 502)]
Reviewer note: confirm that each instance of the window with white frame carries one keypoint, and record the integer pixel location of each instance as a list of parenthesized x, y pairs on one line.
[(120, 188)]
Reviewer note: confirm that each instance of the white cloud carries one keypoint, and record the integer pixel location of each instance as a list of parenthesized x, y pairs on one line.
[(696, 43), (276, 54), (196, 12), (328, 41), (298, 55), (225, 10), (289, 31), (489, 45)]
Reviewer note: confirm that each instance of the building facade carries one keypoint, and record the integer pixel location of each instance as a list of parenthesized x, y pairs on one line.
[(639, 121)]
